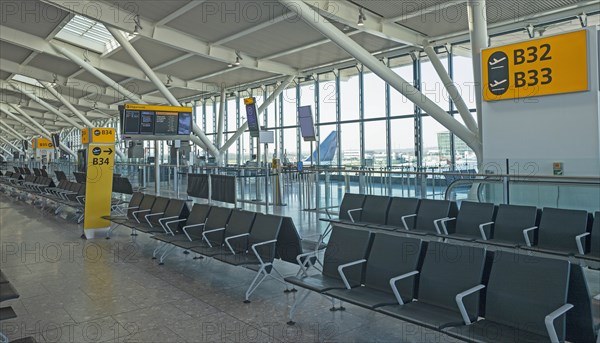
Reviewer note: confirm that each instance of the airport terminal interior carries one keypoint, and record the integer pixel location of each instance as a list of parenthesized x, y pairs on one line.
[(300, 171)]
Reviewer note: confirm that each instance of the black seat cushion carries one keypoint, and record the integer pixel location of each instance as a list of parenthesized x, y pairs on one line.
[(400, 207), (431, 210), (471, 215), (510, 222), (488, 331), (595, 238), (345, 245), (390, 256), (447, 270), (350, 202), (375, 209), (558, 228), (525, 289)]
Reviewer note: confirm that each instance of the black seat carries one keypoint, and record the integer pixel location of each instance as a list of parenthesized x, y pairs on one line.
[(135, 215), (190, 228), (149, 221), (374, 210), (390, 256), (351, 205), (133, 205), (592, 239), (557, 231), (582, 325), (345, 245), (430, 213), (239, 223), (399, 207), (260, 249), (447, 271), (508, 227), (472, 218), (521, 292)]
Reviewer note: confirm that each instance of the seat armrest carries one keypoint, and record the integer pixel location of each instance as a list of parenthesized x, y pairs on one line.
[(234, 237), (152, 215), (204, 238), (526, 235), (167, 230), (306, 255), (579, 241), (187, 227), (259, 244), (404, 220), (353, 210), (549, 321), (396, 279), (443, 221), (482, 231), (461, 306), (134, 213), (341, 271), (166, 224)]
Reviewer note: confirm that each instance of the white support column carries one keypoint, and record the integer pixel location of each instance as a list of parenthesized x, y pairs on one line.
[(478, 31), (363, 56), (12, 145), (14, 132), (461, 106), (260, 110), (97, 73), (221, 120), (7, 151), (139, 60), (47, 106), (76, 112), (42, 131)]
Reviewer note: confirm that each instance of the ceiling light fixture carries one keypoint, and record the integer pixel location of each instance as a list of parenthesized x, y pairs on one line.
[(361, 17), (138, 26), (238, 58), (169, 80), (54, 80), (85, 56)]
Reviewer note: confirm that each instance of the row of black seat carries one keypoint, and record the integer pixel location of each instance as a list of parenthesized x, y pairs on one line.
[(551, 230), (233, 236), (7, 293), (463, 291)]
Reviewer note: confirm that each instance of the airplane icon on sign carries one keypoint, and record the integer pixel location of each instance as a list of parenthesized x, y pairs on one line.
[(497, 83), (496, 61)]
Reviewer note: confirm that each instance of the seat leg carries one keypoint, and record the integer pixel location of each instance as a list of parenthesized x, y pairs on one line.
[(254, 285), (157, 249), (165, 254), (299, 300)]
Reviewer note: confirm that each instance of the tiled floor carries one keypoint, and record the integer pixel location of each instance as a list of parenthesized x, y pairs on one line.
[(75, 290)]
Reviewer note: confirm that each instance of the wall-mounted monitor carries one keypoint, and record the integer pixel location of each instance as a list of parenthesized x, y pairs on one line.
[(307, 125), (146, 122), (252, 116), (185, 123)]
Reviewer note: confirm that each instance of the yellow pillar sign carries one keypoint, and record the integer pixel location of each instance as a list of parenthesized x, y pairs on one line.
[(99, 179)]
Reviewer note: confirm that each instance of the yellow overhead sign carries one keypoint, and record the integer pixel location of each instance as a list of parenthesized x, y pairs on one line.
[(551, 65), (136, 107), (41, 143), (98, 135), (248, 101)]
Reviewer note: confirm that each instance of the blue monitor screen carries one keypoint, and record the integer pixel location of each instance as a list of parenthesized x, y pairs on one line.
[(185, 123)]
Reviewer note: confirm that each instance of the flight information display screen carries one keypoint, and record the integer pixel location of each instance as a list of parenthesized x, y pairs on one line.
[(185, 123), (307, 126), (166, 123), (132, 122), (252, 117), (147, 122)]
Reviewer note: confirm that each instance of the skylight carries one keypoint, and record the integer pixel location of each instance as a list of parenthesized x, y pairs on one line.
[(27, 80), (88, 34)]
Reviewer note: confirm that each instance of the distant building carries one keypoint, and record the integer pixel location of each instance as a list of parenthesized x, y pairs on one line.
[(443, 139)]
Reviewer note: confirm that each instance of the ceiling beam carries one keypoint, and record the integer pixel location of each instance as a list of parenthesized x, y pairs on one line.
[(37, 44), (417, 10), (347, 13), (179, 12), (168, 36), (254, 28)]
